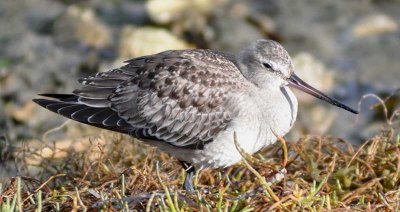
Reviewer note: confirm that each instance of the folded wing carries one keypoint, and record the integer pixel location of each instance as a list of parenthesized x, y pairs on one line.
[(175, 96)]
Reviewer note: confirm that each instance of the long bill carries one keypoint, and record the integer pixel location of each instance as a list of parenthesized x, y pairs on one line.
[(296, 82)]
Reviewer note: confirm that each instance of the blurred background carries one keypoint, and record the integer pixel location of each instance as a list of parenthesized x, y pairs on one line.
[(345, 48)]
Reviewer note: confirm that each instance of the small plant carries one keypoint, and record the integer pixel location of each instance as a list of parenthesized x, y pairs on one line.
[(113, 173)]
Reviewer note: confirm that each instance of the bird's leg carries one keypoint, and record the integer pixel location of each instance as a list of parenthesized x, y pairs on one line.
[(190, 170)]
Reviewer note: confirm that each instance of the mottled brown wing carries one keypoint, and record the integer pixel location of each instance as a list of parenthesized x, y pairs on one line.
[(174, 96)]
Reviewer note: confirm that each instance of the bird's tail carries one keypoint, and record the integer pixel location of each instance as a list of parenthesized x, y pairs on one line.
[(68, 105)]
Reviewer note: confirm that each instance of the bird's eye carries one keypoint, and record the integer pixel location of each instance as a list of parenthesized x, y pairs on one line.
[(267, 65)]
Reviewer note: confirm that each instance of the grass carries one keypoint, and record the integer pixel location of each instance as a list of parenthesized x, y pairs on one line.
[(114, 173)]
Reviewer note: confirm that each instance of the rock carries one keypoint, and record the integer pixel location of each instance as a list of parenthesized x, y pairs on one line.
[(244, 34), (314, 116), (251, 14), (38, 66), (24, 113), (122, 12), (60, 149), (79, 24), (28, 74), (164, 12), (242, 20), (373, 25), (6, 83), (3, 123), (317, 120), (186, 18), (313, 72), (20, 16), (135, 42), (373, 61), (315, 26)]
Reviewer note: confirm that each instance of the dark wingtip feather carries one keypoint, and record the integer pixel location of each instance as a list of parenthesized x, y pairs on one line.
[(38, 101), (44, 102), (84, 114)]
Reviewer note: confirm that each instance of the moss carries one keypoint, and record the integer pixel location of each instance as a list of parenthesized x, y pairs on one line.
[(114, 173)]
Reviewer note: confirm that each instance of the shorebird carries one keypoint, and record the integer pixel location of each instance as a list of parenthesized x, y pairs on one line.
[(189, 103)]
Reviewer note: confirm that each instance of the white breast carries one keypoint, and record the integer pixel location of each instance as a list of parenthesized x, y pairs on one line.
[(222, 152)]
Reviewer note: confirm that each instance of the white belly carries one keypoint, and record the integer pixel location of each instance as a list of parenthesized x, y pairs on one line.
[(253, 130), (222, 152)]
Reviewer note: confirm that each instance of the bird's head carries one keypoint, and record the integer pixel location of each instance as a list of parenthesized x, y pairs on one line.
[(268, 65)]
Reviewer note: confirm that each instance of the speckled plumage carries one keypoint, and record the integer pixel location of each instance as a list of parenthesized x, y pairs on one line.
[(189, 103), (173, 96)]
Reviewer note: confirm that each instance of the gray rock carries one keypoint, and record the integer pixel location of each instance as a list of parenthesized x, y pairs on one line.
[(117, 13), (80, 24), (231, 28), (18, 16), (135, 42), (174, 11), (374, 60), (315, 73), (373, 25)]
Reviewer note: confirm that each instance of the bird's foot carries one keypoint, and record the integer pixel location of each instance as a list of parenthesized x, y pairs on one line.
[(190, 170)]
